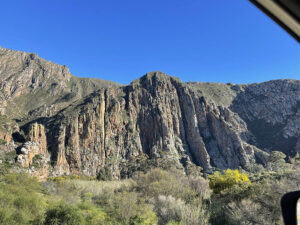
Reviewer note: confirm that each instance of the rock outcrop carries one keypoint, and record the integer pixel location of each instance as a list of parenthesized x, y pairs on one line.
[(156, 115), (27, 152), (78, 126), (5, 137), (33, 154), (272, 113), (37, 134)]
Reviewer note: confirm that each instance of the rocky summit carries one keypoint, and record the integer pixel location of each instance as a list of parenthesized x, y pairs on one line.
[(53, 123)]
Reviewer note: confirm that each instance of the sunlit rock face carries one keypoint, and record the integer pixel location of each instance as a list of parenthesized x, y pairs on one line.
[(156, 115), (78, 126), (33, 155)]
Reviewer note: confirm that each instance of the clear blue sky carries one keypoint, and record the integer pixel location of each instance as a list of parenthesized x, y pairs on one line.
[(120, 40)]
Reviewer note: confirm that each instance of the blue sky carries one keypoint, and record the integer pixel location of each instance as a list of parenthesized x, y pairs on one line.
[(196, 40)]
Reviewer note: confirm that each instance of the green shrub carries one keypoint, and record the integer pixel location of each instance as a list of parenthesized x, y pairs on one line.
[(2, 142), (10, 156), (36, 161), (36, 157), (92, 214), (144, 216), (172, 222), (169, 209), (277, 162), (21, 199), (63, 214), (123, 206), (140, 163), (104, 174), (247, 212), (160, 182)]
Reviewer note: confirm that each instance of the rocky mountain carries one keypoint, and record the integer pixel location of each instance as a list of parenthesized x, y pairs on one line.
[(61, 124)]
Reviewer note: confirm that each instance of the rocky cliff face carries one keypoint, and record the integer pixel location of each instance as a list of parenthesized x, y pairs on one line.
[(271, 111), (156, 115), (31, 87), (157, 118)]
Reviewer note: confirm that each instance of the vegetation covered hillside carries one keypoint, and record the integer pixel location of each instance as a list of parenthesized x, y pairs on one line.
[(157, 197)]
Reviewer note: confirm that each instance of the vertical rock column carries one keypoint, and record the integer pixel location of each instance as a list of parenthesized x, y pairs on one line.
[(37, 134)]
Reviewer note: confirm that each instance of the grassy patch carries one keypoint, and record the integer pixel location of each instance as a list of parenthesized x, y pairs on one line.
[(2, 142)]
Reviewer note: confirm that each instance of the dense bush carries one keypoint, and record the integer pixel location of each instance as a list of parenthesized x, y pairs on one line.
[(257, 203), (228, 179), (170, 210), (104, 174), (176, 198), (21, 199), (63, 214), (157, 197), (277, 162), (172, 183)]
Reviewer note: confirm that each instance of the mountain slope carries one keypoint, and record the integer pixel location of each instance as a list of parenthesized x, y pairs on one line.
[(32, 86), (82, 125)]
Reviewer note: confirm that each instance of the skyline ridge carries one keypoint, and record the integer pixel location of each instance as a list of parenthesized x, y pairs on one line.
[(140, 76)]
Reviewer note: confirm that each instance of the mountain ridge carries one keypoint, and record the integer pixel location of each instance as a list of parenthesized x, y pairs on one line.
[(81, 125)]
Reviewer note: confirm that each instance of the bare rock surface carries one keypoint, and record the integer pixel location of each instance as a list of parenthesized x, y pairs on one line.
[(71, 125)]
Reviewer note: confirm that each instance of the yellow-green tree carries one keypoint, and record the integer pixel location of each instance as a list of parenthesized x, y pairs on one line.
[(228, 179)]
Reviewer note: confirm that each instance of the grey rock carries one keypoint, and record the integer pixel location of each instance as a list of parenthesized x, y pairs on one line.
[(82, 125)]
